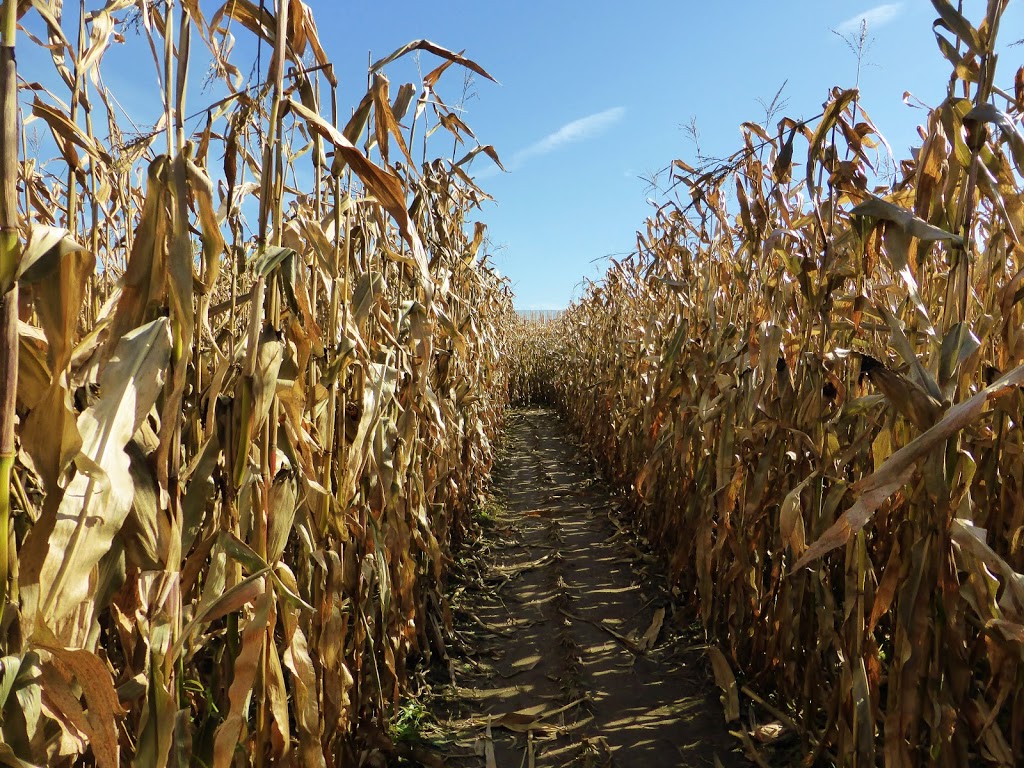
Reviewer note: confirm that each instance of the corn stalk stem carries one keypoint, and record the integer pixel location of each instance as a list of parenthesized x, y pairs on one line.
[(10, 250)]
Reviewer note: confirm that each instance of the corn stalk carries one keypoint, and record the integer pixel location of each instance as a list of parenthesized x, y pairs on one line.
[(10, 253)]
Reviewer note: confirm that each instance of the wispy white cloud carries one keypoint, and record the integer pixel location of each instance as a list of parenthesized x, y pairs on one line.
[(578, 130), (585, 128), (875, 17)]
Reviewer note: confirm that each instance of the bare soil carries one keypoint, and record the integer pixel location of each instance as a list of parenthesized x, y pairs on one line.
[(570, 650)]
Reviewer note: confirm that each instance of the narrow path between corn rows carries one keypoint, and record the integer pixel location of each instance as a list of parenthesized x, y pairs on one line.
[(571, 651)]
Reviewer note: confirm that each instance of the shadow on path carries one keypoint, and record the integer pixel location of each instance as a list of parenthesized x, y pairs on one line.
[(574, 656)]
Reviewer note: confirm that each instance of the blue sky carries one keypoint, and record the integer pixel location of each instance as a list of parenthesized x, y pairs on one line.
[(595, 97)]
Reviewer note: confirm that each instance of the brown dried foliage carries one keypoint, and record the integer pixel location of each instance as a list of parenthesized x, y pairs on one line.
[(812, 391), (244, 455)]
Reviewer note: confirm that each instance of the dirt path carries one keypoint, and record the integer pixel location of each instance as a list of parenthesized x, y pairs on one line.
[(573, 653)]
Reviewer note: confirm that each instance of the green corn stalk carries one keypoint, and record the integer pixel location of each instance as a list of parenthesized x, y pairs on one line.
[(10, 251)]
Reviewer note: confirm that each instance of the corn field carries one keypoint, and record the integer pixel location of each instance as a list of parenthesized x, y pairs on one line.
[(809, 385), (242, 421), (253, 366)]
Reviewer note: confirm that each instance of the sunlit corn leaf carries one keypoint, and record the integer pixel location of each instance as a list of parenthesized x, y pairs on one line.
[(727, 683), (99, 720), (877, 208), (385, 186), (426, 45), (956, 23), (58, 559), (876, 488), (988, 113), (246, 665)]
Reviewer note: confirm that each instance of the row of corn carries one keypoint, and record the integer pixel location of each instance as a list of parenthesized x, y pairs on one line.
[(251, 366), (807, 377)]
